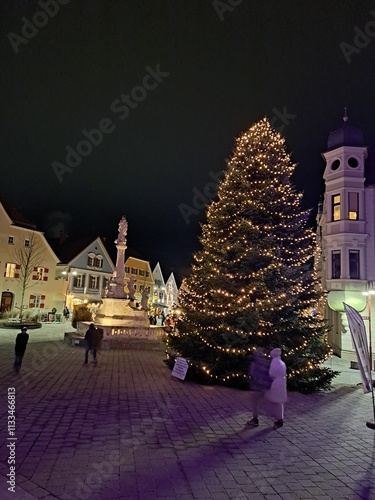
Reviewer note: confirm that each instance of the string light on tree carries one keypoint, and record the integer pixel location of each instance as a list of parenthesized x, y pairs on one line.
[(253, 282)]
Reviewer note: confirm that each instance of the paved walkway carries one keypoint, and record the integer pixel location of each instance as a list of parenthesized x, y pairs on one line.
[(124, 429)]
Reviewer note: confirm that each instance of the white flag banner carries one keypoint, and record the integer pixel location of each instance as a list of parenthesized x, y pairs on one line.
[(358, 332)]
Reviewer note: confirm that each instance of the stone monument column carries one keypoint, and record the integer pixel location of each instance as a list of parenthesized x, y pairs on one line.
[(117, 285)]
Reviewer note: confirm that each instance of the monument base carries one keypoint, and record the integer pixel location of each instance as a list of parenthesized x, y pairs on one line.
[(123, 326), (153, 343)]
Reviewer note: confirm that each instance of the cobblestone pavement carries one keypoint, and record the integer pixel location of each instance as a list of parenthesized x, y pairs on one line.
[(125, 429)]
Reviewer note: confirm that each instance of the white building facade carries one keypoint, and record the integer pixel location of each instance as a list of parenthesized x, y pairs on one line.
[(346, 234)]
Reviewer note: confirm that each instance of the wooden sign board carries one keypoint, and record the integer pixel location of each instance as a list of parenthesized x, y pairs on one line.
[(180, 368)]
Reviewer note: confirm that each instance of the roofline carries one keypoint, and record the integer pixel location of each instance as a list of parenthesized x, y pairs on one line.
[(22, 225), (136, 258), (101, 243)]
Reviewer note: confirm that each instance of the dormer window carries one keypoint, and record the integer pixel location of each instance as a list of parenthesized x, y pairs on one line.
[(98, 261), (90, 260)]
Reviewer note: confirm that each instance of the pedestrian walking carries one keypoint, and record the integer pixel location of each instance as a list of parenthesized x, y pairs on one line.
[(66, 313), (277, 393), (260, 381), (91, 343), (20, 348)]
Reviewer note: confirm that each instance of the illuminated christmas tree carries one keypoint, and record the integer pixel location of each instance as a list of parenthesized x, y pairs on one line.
[(253, 283)]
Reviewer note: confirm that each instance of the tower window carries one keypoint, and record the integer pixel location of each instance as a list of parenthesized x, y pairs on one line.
[(336, 264), (353, 162), (353, 206), (336, 205), (354, 264), (335, 164)]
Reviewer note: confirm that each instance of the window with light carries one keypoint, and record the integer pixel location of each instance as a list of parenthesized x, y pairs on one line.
[(336, 207), (353, 206), (10, 270)]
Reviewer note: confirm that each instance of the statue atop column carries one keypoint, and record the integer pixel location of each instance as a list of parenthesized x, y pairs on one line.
[(122, 230), (117, 285)]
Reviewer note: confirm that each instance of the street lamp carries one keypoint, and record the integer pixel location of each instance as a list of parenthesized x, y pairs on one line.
[(67, 272)]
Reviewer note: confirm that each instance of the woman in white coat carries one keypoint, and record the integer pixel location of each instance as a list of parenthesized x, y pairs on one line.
[(277, 393)]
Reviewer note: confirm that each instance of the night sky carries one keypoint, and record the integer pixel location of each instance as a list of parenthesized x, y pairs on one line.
[(198, 72)]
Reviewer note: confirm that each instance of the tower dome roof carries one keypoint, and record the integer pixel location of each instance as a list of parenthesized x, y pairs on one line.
[(347, 135)]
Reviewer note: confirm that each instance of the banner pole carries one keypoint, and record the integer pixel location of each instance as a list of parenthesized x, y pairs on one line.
[(370, 425)]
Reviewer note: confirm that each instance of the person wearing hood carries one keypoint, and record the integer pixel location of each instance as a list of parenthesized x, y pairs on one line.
[(277, 393)]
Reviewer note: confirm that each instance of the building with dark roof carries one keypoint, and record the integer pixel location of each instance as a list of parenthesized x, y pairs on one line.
[(346, 233), (27, 274)]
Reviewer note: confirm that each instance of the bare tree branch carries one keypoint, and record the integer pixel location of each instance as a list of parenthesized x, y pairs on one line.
[(28, 258)]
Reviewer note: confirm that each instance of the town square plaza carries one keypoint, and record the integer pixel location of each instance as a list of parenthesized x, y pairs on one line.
[(125, 429)]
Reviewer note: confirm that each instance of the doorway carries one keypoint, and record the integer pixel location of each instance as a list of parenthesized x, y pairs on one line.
[(6, 301)]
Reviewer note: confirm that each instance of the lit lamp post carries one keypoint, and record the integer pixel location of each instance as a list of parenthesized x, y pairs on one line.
[(370, 290), (67, 272)]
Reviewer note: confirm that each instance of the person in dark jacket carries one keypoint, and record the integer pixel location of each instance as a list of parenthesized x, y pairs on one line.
[(260, 381), (91, 343), (20, 348)]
